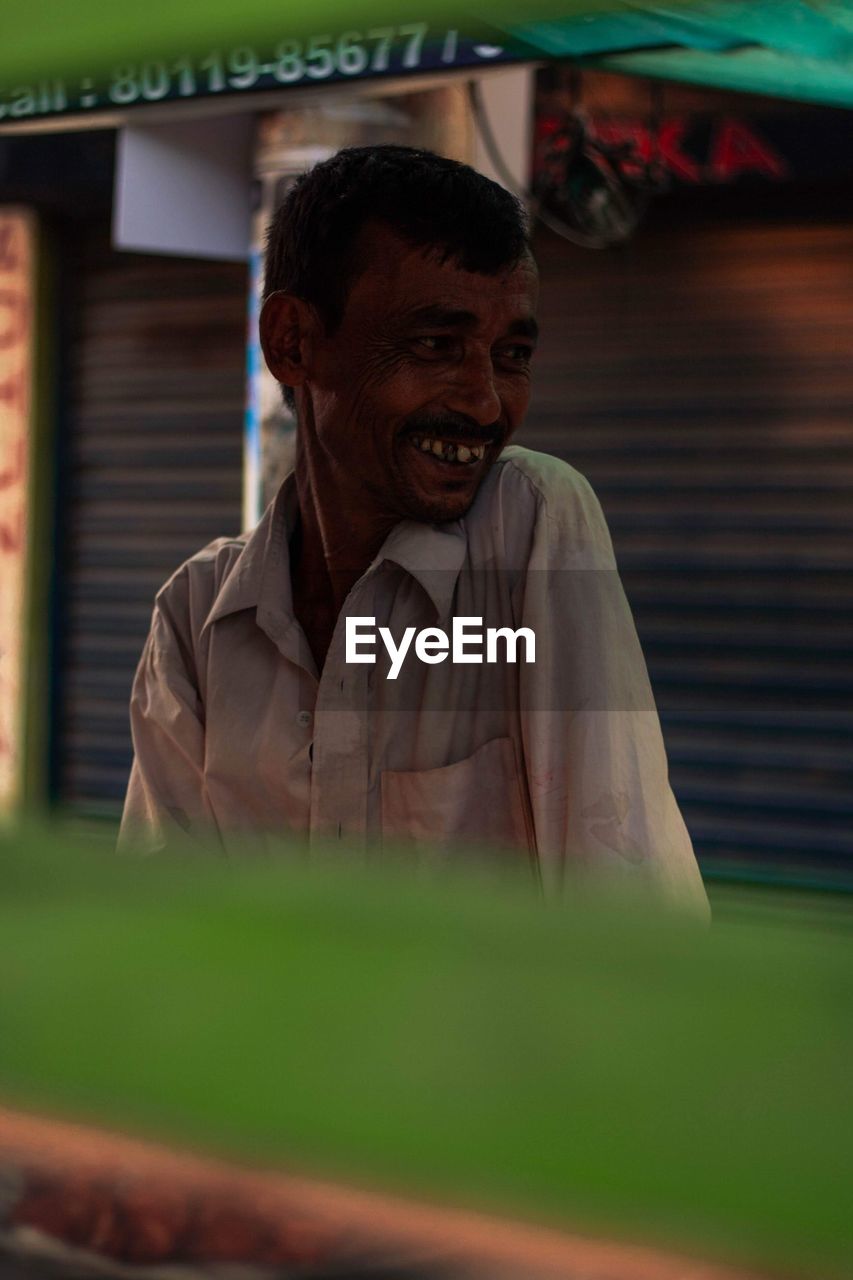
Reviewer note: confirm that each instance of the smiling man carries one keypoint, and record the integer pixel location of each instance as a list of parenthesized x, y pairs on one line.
[(399, 319)]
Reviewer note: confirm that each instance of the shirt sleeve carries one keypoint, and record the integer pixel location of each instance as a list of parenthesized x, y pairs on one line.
[(166, 805), (596, 764)]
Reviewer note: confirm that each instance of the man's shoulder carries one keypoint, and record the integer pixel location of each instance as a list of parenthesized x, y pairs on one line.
[(552, 482), (211, 565), (541, 502), (189, 594), (538, 487)]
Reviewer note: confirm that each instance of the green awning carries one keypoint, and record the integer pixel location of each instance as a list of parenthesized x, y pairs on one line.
[(800, 49)]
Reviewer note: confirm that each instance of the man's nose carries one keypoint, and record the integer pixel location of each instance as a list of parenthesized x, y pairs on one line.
[(472, 391)]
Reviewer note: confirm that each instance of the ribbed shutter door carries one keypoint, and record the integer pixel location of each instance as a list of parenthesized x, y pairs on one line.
[(152, 471), (701, 377)]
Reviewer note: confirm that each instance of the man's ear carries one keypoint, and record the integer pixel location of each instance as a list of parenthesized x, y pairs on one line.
[(287, 326)]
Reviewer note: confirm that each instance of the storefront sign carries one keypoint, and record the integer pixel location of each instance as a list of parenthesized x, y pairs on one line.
[(17, 247), (676, 150), (725, 150), (394, 50), (704, 149)]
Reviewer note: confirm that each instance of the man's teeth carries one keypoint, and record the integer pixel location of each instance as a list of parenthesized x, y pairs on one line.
[(447, 451)]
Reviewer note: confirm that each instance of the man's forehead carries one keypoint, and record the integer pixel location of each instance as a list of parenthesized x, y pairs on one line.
[(438, 316), (408, 278)]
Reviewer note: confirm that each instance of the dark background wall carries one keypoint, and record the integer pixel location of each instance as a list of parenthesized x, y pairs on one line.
[(701, 377), (152, 472)]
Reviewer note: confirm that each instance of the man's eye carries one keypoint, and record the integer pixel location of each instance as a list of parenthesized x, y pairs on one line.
[(436, 343), (519, 353)]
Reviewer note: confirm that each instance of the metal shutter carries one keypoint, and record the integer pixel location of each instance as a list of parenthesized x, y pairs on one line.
[(152, 471), (701, 377)]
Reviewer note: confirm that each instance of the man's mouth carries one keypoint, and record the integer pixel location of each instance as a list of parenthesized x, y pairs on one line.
[(450, 450)]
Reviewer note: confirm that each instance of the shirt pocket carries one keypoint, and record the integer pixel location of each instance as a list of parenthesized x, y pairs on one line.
[(477, 803)]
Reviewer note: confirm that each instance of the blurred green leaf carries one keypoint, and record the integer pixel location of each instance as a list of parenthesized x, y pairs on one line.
[(599, 1065)]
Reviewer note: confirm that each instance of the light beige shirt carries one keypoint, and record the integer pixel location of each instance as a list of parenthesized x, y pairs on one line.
[(557, 763)]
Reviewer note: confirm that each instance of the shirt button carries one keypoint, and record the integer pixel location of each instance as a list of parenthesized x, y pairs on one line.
[(303, 719)]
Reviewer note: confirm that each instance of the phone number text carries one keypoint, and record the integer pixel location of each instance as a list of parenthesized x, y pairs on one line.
[(353, 53)]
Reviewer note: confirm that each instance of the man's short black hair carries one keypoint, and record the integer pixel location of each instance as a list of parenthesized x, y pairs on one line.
[(428, 199)]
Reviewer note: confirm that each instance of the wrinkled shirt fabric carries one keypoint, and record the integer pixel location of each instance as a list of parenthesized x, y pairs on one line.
[(557, 764)]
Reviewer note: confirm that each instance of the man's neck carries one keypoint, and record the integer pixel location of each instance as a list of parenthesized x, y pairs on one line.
[(337, 539), (339, 535)]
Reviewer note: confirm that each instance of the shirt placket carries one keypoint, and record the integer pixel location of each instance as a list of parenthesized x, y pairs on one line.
[(340, 752)]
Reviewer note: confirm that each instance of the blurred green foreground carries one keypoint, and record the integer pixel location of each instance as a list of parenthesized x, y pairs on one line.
[(598, 1066)]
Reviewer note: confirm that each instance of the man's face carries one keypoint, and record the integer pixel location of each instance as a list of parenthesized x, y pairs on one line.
[(425, 380)]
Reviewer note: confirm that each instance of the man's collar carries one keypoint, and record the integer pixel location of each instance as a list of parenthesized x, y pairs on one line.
[(263, 552), (432, 553)]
